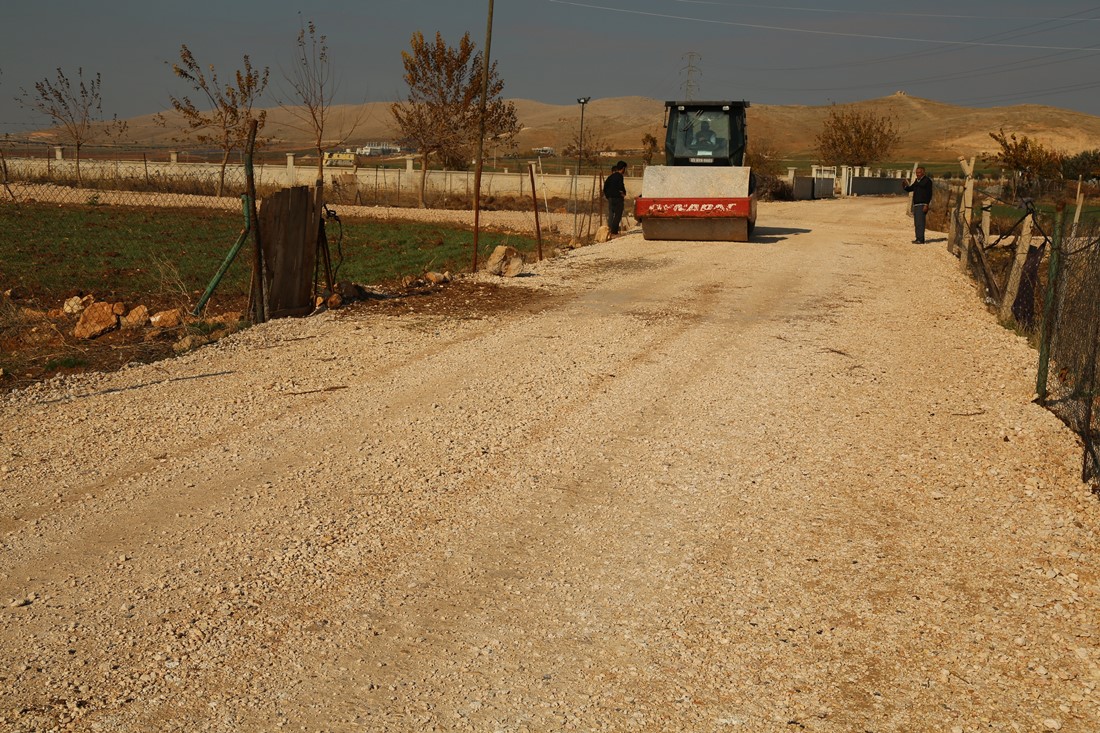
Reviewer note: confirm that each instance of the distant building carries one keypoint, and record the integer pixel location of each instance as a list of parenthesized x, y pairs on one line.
[(370, 149)]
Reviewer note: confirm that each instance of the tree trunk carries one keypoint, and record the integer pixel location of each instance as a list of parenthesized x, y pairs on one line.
[(221, 173), (423, 181)]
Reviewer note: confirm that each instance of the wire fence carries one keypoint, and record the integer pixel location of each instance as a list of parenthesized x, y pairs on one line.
[(138, 183), (1037, 263), (35, 171)]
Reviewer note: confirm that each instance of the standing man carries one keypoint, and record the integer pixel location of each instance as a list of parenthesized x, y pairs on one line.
[(614, 190), (921, 188)]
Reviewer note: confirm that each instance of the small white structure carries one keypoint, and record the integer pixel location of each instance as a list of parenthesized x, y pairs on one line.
[(372, 149)]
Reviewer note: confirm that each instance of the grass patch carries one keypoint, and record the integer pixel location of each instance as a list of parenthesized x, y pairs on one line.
[(66, 362), (378, 252), (127, 253), (52, 251)]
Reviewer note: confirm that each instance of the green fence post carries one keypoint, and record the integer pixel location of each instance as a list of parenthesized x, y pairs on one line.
[(229, 257), (1049, 314)]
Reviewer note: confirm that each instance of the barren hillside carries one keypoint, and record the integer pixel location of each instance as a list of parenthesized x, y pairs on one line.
[(930, 130)]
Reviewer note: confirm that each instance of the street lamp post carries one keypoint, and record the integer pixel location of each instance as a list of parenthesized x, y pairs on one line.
[(576, 176)]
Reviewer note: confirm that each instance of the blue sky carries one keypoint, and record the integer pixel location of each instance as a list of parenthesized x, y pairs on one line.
[(789, 52)]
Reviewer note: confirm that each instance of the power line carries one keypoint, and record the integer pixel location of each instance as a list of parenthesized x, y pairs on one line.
[(1027, 30), (865, 12), (786, 29)]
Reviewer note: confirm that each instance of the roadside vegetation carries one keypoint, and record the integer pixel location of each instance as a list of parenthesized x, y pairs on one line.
[(51, 252)]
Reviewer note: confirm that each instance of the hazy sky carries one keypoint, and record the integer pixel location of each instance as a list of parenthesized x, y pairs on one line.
[(790, 52)]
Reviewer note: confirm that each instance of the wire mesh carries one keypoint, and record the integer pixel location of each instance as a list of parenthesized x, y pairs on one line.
[(1071, 384)]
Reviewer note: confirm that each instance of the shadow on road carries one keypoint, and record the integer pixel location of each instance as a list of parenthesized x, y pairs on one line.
[(771, 235)]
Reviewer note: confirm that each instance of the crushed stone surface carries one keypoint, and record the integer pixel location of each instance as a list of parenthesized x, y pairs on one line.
[(793, 484)]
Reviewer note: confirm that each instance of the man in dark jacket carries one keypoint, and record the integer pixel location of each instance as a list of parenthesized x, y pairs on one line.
[(921, 188), (614, 190)]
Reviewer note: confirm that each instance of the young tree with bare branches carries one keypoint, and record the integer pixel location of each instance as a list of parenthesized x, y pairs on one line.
[(1027, 159), (226, 123), (853, 137), (589, 149), (76, 111), (440, 116), (4, 165), (312, 86)]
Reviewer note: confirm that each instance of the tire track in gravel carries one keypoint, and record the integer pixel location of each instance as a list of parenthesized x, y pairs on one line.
[(455, 595)]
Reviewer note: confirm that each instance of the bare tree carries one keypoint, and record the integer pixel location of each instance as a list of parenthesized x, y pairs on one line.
[(852, 137), (589, 149), (440, 116), (312, 86), (226, 123), (76, 111), (4, 165)]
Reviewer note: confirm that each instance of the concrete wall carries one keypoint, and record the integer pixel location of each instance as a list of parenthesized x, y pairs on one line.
[(404, 181), (866, 181), (863, 186), (820, 184)]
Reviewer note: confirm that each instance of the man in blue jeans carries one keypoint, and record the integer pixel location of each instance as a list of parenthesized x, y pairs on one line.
[(921, 188)]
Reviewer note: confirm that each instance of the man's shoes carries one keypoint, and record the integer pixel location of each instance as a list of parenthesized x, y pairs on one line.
[(918, 241)]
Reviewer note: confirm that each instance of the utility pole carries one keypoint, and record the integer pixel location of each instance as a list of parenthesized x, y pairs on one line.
[(582, 101), (481, 131)]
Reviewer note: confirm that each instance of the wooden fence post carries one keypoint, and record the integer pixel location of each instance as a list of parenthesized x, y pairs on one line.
[(1079, 203), (535, 201), (967, 204), (1013, 286), (968, 190), (952, 230), (909, 201)]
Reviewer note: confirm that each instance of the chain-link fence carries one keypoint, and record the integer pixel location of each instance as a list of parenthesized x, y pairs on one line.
[(34, 172), (1071, 326), (1036, 261)]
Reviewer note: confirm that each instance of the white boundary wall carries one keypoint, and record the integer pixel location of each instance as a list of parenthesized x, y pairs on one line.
[(393, 180)]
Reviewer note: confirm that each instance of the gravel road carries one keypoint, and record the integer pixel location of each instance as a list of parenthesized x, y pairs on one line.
[(794, 484)]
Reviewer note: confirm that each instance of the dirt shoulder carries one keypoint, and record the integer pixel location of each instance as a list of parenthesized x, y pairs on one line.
[(795, 483)]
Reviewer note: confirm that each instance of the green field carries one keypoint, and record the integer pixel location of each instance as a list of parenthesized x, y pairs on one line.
[(51, 252)]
